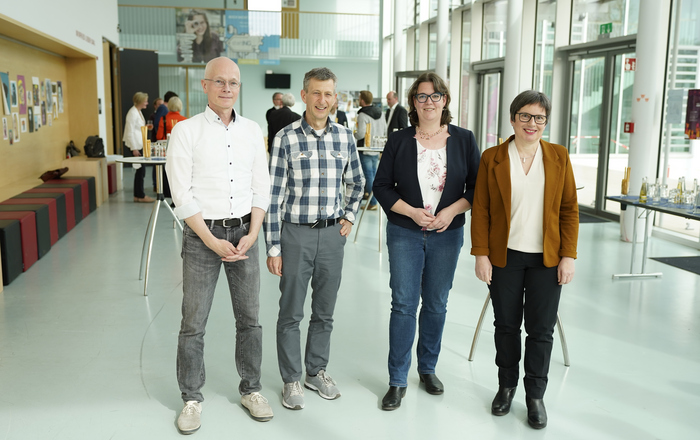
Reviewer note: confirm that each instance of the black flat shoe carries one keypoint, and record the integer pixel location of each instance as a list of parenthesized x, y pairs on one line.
[(536, 414), (501, 403), (392, 399), (432, 383)]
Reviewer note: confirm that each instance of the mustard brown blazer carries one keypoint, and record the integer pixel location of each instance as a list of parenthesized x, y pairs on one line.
[(491, 209)]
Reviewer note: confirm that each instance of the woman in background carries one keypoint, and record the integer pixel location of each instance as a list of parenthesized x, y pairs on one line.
[(134, 140)]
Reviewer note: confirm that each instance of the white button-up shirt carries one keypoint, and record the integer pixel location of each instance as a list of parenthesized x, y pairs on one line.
[(218, 170)]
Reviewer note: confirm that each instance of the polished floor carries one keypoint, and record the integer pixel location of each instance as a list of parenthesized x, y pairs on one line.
[(84, 355)]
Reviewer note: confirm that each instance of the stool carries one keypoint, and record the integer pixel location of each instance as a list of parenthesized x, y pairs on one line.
[(63, 209), (49, 202), (76, 199), (42, 224), (11, 248), (91, 189), (84, 190), (27, 227), (477, 330), (111, 178)]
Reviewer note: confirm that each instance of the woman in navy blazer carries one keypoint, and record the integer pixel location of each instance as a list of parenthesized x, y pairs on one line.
[(425, 184)]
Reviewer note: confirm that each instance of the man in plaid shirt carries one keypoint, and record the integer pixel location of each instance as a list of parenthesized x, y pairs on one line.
[(317, 186)]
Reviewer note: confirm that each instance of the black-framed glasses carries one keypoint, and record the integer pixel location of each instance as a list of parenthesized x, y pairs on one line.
[(221, 83), (435, 97), (539, 119)]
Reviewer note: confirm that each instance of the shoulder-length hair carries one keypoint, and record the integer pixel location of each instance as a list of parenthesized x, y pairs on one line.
[(440, 87)]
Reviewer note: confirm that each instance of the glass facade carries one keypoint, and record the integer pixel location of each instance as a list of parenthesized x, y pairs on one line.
[(596, 20), (494, 29)]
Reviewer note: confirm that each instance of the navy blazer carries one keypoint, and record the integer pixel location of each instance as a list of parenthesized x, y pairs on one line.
[(397, 175)]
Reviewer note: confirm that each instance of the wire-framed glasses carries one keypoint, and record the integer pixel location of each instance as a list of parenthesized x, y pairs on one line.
[(221, 83)]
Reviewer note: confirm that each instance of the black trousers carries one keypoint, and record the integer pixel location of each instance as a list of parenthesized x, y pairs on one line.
[(138, 182), (524, 288)]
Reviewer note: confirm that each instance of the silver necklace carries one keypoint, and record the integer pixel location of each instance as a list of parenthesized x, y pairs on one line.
[(526, 158)]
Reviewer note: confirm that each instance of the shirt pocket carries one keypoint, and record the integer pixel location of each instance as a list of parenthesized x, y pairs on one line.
[(302, 166)]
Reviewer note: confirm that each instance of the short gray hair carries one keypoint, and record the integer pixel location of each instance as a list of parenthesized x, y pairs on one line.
[(320, 74), (288, 100)]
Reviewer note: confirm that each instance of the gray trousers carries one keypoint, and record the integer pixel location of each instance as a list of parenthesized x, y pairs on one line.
[(316, 255)]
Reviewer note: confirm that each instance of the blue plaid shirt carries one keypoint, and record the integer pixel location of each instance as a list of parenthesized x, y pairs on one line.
[(313, 177)]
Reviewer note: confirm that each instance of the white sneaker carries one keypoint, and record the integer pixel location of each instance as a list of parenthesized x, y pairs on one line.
[(293, 395), (189, 420), (324, 384), (257, 405)]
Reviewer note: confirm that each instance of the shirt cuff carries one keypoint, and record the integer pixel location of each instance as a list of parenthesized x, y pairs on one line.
[(274, 251), (187, 211)]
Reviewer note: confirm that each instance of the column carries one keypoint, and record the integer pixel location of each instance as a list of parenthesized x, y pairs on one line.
[(443, 34)]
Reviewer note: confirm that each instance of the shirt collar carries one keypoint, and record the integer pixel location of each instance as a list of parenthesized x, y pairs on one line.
[(308, 129), (211, 115)]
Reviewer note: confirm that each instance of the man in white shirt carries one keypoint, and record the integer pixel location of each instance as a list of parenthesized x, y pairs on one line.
[(221, 188)]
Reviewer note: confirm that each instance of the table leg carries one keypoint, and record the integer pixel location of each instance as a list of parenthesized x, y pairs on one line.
[(145, 238), (644, 252), (150, 247)]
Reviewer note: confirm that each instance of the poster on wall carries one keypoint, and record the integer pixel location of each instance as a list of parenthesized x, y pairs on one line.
[(23, 125), (692, 115), (5, 77), (13, 94), (198, 34), (253, 37), (49, 96), (35, 91), (30, 118), (22, 95), (59, 96), (15, 127), (4, 129)]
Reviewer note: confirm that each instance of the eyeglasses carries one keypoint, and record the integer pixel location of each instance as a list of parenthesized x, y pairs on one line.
[(220, 83), (539, 119), (435, 97)]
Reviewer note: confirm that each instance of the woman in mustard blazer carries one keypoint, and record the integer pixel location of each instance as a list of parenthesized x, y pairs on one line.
[(524, 234)]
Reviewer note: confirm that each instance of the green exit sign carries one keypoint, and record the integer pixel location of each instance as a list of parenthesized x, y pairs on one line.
[(606, 28)]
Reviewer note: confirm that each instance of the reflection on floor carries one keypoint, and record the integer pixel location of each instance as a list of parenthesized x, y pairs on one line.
[(84, 355)]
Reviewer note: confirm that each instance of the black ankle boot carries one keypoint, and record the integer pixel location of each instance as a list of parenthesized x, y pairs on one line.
[(392, 399), (432, 384), (536, 413), (501, 403)]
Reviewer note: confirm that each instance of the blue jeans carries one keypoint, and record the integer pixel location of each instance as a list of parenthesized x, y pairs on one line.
[(200, 271), (369, 168), (422, 266)]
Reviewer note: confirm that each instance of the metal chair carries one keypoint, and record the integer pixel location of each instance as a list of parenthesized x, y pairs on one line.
[(477, 331)]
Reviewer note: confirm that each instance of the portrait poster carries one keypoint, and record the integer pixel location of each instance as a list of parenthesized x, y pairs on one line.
[(22, 95), (692, 115), (23, 125), (36, 93), (15, 127), (198, 34), (49, 96), (5, 77), (59, 96), (30, 118), (4, 129), (30, 99), (43, 113), (13, 94), (253, 37)]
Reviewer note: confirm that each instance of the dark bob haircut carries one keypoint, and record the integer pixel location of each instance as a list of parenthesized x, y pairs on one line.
[(530, 97), (440, 87)]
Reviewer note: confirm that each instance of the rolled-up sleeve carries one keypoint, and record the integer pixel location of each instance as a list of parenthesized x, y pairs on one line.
[(179, 169)]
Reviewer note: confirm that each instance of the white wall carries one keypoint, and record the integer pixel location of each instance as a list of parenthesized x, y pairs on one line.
[(65, 20)]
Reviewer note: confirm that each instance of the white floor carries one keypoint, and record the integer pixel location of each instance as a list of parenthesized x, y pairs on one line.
[(84, 355)]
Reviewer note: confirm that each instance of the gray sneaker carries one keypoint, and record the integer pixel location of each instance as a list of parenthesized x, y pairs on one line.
[(257, 405), (322, 383), (189, 420), (293, 395)]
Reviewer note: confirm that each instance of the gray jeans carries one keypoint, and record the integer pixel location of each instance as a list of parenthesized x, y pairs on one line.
[(316, 255), (200, 272)]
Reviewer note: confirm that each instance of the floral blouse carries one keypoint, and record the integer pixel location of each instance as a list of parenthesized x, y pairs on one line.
[(432, 172)]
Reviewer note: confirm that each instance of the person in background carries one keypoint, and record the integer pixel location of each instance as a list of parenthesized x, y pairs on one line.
[(134, 141), (369, 114), (221, 188), (524, 236), (280, 118), (160, 112), (316, 189), (276, 104), (338, 116), (425, 184), (171, 118), (396, 115)]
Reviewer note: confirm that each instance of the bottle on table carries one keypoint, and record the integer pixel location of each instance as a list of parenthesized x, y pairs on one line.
[(643, 191)]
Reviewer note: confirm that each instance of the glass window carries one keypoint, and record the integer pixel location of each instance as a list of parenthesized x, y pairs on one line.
[(544, 51), (432, 45), (592, 21), (416, 49), (466, 67), (494, 37)]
